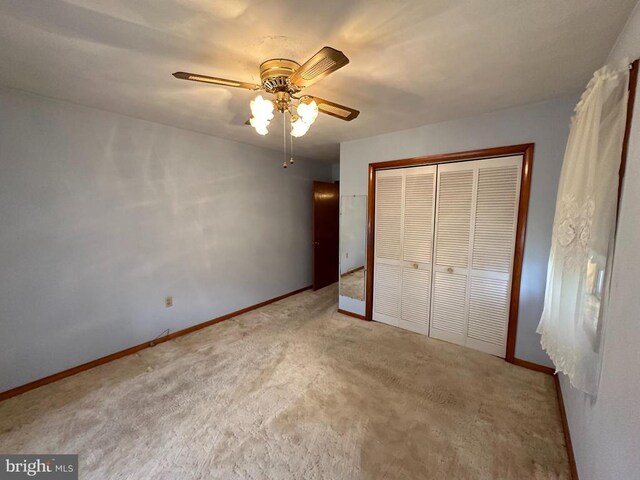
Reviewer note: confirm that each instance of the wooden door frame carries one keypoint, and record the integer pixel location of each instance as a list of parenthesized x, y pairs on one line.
[(526, 150)]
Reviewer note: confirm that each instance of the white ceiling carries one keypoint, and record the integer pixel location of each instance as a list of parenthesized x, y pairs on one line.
[(412, 62)]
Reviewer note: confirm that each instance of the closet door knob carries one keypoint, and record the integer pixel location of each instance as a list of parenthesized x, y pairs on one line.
[(450, 270), (415, 265)]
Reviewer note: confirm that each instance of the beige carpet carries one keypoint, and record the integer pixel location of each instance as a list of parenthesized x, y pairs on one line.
[(297, 391), (352, 285)]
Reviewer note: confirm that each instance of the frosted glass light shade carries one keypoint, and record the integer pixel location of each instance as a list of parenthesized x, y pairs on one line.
[(262, 109), (299, 127), (308, 112), (260, 125)]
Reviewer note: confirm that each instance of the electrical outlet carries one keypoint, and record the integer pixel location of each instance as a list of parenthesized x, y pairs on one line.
[(168, 302)]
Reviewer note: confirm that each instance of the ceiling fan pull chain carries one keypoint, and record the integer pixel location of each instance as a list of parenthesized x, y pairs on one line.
[(291, 147), (284, 139)]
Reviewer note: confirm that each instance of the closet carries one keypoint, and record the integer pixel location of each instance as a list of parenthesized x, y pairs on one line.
[(444, 248)]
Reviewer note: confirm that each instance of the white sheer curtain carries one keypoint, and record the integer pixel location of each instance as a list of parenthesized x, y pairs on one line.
[(582, 244)]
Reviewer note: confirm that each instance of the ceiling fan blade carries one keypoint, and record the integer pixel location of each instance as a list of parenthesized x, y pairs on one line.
[(194, 77), (323, 63), (333, 109)]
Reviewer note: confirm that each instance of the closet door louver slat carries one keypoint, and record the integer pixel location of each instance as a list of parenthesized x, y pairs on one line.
[(388, 217), (418, 217), (489, 303), (415, 299), (449, 307), (455, 198), (496, 212), (387, 285)]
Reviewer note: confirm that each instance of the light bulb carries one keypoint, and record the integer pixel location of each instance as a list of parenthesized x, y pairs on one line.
[(262, 109), (298, 127), (308, 112)]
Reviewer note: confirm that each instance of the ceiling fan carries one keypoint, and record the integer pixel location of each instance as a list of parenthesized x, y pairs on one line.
[(285, 79)]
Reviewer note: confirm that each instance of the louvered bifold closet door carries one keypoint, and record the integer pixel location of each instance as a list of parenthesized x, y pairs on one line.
[(388, 246), (405, 204), (417, 247), (476, 219), (454, 212), (496, 217)]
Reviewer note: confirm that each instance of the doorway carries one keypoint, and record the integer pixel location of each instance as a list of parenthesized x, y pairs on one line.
[(326, 213)]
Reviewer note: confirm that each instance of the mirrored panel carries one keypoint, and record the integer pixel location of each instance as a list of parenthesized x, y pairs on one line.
[(353, 245)]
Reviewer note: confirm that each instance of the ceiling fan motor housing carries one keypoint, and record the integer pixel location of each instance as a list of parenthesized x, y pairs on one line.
[(275, 73)]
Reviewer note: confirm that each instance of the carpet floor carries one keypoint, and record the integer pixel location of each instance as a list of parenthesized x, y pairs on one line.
[(295, 390), (352, 285)]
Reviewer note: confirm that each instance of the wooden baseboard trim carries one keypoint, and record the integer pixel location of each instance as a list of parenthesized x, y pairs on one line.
[(123, 353), (351, 314), (533, 366), (567, 432), (563, 414)]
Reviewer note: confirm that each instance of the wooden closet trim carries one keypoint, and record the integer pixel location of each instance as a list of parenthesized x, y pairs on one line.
[(526, 150)]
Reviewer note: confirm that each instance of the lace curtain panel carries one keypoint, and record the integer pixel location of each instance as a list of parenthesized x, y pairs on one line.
[(572, 322)]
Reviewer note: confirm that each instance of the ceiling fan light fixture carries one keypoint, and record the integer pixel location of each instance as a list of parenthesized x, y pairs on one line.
[(298, 126), (260, 125), (262, 109), (308, 112)]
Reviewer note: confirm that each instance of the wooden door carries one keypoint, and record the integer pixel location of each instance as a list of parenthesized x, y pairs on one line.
[(326, 215)]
